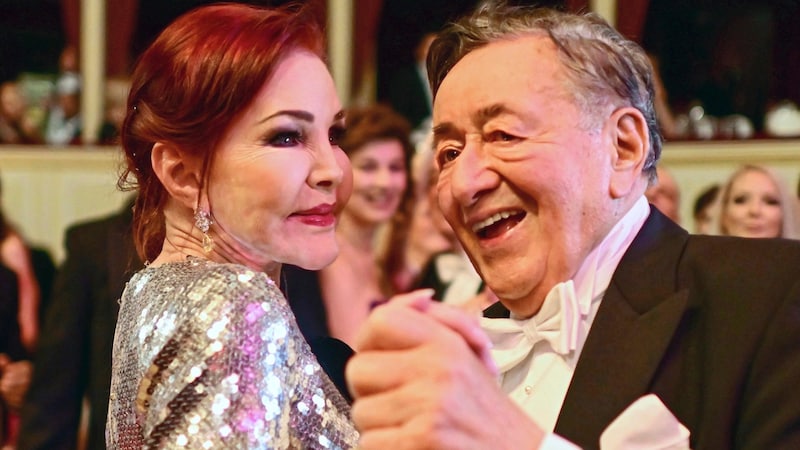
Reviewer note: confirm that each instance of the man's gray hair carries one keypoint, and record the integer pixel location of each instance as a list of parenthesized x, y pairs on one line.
[(603, 67)]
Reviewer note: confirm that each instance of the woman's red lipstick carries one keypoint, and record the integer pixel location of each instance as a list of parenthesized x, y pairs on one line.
[(320, 215)]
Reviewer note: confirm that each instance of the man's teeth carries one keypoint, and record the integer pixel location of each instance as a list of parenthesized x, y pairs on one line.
[(491, 220)]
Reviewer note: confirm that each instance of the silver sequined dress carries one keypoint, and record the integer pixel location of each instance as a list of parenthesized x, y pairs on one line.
[(209, 356)]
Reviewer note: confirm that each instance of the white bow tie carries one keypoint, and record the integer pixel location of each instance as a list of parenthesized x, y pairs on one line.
[(557, 322)]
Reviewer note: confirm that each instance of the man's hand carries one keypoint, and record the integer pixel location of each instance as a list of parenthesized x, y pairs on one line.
[(424, 379)]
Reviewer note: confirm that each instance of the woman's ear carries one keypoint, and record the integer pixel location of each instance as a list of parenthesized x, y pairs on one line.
[(179, 173), (630, 141)]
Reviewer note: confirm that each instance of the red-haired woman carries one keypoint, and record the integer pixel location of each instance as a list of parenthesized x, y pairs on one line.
[(231, 138)]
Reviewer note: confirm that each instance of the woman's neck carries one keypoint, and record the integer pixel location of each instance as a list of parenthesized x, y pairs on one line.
[(183, 240), (356, 234)]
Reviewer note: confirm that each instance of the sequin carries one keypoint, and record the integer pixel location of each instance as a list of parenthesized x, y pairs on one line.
[(208, 355), (246, 277)]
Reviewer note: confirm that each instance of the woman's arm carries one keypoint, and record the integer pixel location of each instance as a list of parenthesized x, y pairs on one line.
[(16, 256)]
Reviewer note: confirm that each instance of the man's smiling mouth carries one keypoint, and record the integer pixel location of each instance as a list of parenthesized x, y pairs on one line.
[(498, 223)]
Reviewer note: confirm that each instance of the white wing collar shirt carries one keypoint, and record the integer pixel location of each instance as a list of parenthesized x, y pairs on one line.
[(536, 357)]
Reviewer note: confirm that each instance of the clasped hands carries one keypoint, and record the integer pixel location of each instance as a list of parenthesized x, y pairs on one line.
[(424, 379)]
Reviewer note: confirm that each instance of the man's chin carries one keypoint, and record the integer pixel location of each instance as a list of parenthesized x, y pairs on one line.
[(521, 305)]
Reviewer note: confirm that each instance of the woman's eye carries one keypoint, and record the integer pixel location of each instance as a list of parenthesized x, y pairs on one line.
[(335, 135), (739, 200), (367, 168), (285, 139)]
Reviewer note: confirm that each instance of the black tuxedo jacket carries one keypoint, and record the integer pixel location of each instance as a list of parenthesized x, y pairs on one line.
[(73, 358), (709, 324)]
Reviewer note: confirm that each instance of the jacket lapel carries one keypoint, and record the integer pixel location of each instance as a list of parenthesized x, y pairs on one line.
[(617, 364), (634, 325)]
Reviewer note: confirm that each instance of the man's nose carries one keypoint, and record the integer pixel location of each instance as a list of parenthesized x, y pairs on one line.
[(472, 174)]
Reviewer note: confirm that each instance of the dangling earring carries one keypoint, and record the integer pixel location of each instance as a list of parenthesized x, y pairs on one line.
[(202, 220)]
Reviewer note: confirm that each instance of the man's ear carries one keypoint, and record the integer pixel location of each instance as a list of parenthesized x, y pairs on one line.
[(179, 173), (630, 140)]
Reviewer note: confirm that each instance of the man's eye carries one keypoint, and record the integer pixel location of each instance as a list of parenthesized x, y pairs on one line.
[(500, 136), (446, 156)]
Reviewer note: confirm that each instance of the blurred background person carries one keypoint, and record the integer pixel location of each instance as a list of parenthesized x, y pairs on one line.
[(371, 232), (116, 93), (12, 108), (15, 369), (428, 233), (665, 195), (16, 125), (705, 209), (755, 202), (15, 254), (63, 124), (73, 359), (449, 271), (432, 248)]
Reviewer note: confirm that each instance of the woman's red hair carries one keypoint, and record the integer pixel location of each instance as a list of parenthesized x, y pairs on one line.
[(193, 81)]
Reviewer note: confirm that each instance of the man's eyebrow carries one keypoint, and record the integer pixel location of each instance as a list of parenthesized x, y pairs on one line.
[(489, 112), (442, 130), (479, 119)]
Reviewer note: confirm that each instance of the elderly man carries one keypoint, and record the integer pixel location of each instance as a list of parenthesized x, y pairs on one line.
[(615, 327)]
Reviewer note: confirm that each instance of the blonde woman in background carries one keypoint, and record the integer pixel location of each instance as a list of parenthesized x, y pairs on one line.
[(755, 202)]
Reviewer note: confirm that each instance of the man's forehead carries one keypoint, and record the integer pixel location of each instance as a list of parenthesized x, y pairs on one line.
[(527, 60)]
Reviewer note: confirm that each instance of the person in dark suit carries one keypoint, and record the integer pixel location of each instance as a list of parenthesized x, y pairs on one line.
[(73, 359), (15, 368), (615, 327), (10, 343)]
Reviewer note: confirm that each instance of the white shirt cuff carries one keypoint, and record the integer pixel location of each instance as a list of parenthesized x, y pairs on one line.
[(553, 441)]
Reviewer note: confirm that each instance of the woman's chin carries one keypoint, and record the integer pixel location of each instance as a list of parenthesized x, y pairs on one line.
[(317, 261)]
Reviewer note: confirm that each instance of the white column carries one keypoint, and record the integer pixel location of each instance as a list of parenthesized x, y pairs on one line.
[(93, 67), (606, 8), (340, 46)]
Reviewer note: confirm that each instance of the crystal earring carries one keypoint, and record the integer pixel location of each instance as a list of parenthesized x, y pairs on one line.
[(202, 220)]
